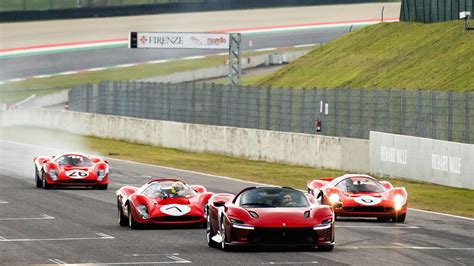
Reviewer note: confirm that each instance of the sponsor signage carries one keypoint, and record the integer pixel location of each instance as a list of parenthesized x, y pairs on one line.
[(179, 40), (430, 160)]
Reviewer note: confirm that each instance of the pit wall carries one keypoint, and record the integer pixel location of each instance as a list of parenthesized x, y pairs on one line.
[(273, 146)]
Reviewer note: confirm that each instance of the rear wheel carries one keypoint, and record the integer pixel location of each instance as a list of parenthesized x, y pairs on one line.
[(122, 219), (131, 221), (210, 231), (399, 218), (37, 178), (44, 183), (326, 247)]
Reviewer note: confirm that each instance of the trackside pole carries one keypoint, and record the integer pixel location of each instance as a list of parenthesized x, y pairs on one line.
[(235, 62)]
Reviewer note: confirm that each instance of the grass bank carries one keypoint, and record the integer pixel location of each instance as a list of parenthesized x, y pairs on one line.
[(422, 195), (435, 56)]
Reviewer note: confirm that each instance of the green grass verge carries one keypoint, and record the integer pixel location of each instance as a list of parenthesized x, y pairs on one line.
[(435, 56), (421, 195)]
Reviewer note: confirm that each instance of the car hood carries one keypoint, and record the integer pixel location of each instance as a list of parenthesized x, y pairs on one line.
[(282, 217)]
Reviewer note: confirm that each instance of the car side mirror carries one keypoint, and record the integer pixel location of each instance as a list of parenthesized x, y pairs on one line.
[(219, 203), (106, 161)]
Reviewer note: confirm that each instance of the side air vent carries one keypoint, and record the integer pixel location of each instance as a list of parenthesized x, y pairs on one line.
[(306, 214), (253, 214)]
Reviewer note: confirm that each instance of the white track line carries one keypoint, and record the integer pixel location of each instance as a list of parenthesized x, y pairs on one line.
[(42, 217), (56, 261), (400, 246), (217, 176), (3, 202), (290, 262), (102, 236), (378, 226)]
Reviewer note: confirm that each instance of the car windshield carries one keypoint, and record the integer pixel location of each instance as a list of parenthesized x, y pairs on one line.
[(168, 189), (272, 197), (360, 185), (74, 160)]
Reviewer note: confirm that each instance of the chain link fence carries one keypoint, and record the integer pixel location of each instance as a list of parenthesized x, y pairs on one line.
[(342, 112), (428, 11)]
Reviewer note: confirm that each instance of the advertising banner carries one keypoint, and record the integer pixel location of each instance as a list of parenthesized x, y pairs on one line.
[(179, 40)]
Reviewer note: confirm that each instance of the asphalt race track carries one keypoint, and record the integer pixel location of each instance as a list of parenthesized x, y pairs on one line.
[(27, 66), (77, 226)]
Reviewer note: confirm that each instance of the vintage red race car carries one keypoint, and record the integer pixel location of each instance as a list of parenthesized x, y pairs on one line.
[(269, 216), (163, 201), (71, 169), (357, 195)]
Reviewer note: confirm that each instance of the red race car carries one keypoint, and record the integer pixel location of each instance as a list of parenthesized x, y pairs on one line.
[(269, 216), (162, 201), (71, 169), (356, 195)]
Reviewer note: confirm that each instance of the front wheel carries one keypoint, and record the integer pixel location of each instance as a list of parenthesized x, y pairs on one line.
[(326, 247), (122, 219), (37, 178), (224, 245), (383, 219), (399, 218), (102, 187), (131, 221), (44, 183), (210, 231)]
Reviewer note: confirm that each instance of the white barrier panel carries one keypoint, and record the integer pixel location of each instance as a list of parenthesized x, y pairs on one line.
[(434, 161), (294, 148)]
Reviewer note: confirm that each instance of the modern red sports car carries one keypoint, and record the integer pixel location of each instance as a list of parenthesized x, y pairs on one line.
[(357, 195), (71, 169), (162, 201), (269, 216)]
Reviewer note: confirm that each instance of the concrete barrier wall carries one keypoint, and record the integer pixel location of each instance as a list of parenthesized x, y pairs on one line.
[(293, 148), (435, 161)]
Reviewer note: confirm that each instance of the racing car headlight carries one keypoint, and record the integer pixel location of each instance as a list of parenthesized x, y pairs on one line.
[(398, 202), (333, 199), (143, 211), (100, 174), (240, 225), (53, 174), (325, 224), (327, 221)]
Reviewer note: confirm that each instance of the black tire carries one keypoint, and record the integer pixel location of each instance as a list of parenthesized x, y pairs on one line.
[(326, 247), (38, 182), (210, 232), (131, 221), (383, 219), (102, 187), (399, 218), (122, 219), (224, 245), (44, 184)]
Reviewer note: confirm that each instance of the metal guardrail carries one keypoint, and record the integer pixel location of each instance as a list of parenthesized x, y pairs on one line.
[(341, 112)]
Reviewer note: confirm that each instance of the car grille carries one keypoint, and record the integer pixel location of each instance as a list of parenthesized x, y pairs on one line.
[(77, 181), (283, 236), (184, 218), (367, 209)]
